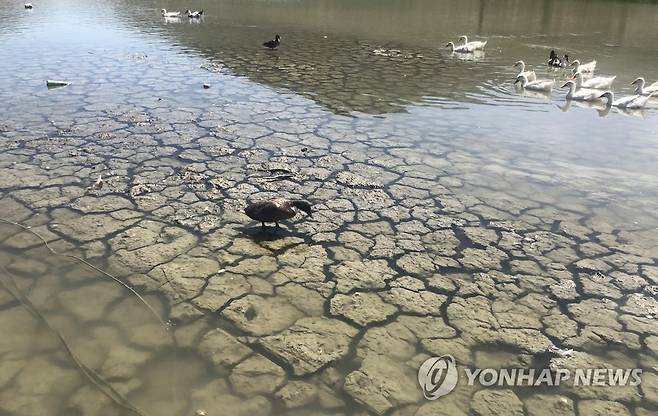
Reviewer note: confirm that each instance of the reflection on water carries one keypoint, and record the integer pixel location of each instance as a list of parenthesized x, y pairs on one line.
[(453, 212), (327, 51)]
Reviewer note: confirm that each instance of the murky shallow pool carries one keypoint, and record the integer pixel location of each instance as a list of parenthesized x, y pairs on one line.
[(454, 215)]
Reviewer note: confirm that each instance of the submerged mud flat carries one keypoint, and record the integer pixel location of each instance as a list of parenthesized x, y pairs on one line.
[(415, 250)]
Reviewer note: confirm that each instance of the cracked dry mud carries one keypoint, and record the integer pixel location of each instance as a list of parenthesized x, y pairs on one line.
[(417, 247), (335, 313)]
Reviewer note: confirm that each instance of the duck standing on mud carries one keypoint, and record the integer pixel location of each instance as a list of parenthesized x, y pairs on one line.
[(276, 210)]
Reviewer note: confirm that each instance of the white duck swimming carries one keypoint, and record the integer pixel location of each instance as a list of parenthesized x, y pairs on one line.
[(583, 68), (641, 90), (599, 83), (460, 48), (194, 14), (544, 85), (630, 102), (476, 44), (583, 94), (165, 13), (528, 74)]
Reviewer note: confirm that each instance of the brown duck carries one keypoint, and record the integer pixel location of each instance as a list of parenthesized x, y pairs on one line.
[(276, 210)]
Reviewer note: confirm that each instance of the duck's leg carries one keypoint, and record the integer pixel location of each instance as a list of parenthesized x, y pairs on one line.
[(277, 224), (263, 222)]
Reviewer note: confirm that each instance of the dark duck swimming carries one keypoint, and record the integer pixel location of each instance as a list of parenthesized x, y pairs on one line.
[(197, 14), (273, 44), (276, 210), (555, 62)]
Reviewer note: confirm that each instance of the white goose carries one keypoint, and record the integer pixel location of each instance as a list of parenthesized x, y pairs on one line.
[(165, 13), (544, 85), (599, 83), (588, 67), (630, 102), (476, 44), (528, 74), (460, 48), (641, 90), (584, 94)]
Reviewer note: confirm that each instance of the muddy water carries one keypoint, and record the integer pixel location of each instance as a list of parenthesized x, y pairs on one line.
[(454, 214)]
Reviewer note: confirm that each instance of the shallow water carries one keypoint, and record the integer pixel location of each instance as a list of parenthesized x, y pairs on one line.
[(454, 213)]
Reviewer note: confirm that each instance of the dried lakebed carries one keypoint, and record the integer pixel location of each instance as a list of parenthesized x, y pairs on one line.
[(416, 249)]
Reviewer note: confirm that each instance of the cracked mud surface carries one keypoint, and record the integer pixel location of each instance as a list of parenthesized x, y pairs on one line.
[(420, 245)]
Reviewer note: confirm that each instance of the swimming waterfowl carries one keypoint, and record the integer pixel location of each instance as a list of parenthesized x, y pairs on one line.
[(630, 102), (583, 68), (556, 62), (583, 94), (530, 75), (28, 5), (641, 90), (474, 45), (194, 14), (460, 48), (276, 210), (273, 44), (600, 83), (544, 85), (165, 13)]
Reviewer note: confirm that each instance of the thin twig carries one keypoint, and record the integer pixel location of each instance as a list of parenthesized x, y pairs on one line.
[(95, 378), (103, 272)]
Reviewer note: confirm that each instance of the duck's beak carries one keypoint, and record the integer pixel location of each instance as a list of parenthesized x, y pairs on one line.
[(517, 81)]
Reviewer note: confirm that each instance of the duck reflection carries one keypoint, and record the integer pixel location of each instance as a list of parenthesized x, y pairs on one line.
[(602, 109), (474, 56), (171, 20)]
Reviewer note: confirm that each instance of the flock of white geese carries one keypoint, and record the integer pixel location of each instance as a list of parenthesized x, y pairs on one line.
[(581, 82), (592, 88)]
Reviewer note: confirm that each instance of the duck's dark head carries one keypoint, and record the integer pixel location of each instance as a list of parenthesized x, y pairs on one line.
[(566, 58), (553, 54), (277, 38), (302, 205)]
